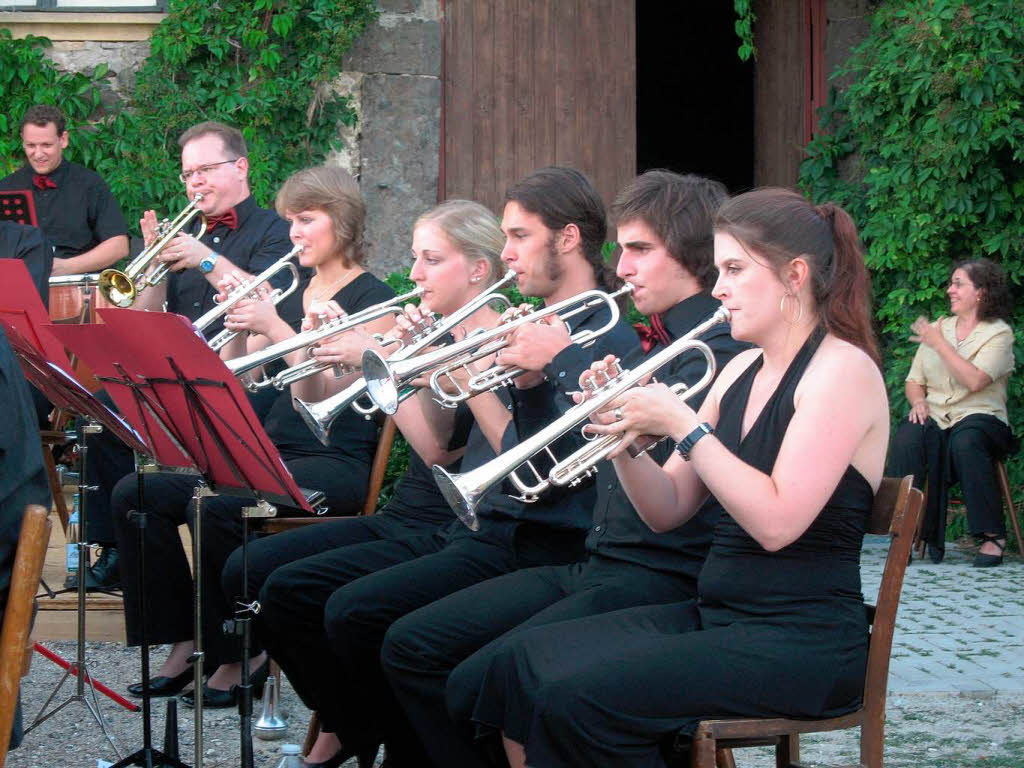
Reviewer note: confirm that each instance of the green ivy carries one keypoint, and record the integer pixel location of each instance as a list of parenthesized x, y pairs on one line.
[(265, 66), (925, 148), (744, 26)]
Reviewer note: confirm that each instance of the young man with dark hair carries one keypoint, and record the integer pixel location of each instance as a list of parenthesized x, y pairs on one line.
[(355, 593), (627, 563), (74, 206)]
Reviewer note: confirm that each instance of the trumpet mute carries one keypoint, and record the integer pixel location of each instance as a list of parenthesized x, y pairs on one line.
[(271, 725)]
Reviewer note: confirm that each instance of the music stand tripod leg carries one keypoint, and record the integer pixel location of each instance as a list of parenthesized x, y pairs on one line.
[(147, 756), (79, 668)]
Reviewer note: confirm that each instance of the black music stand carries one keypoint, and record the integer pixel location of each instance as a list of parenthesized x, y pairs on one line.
[(209, 416), (54, 381)]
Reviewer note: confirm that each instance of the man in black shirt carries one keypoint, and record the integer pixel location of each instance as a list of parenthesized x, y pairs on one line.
[(22, 474), (664, 224), (74, 206), (240, 238), (555, 224)]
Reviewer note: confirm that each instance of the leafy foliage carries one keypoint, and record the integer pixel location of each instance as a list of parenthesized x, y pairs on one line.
[(744, 26), (925, 148)]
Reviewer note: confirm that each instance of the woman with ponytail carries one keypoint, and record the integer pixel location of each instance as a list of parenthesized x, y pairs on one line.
[(791, 442)]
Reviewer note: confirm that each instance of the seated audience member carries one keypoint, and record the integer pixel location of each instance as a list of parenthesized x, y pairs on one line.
[(958, 424)]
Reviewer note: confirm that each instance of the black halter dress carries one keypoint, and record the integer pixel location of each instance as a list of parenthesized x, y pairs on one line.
[(771, 634)]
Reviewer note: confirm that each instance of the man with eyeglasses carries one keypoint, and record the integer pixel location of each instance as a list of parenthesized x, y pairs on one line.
[(240, 237)]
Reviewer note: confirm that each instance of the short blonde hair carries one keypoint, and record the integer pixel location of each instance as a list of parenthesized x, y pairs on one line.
[(472, 229), (335, 192)]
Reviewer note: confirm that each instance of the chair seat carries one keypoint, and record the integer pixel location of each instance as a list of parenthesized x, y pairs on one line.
[(742, 729)]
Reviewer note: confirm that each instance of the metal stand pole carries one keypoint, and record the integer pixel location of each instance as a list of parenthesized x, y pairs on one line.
[(79, 668), (201, 492)]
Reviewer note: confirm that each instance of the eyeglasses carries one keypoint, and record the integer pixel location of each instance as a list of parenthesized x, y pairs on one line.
[(203, 169)]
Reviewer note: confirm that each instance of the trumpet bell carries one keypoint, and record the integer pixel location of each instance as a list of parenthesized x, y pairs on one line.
[(117, 288), (462, 501), (314, 420), (380, 382)]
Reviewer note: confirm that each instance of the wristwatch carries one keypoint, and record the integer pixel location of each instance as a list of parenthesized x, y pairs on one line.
[(207, 263), (685, 445)]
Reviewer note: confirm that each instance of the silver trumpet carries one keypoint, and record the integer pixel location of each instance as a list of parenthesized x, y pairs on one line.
[(248, 290), (309, 339), (464, 491), (385, 378), (320, 416), (121, 288)]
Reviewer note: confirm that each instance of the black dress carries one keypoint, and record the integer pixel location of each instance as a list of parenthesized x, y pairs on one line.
[(771, 633)]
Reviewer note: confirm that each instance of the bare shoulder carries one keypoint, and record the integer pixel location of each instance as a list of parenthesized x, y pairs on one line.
[(735, 367), (841, 367)]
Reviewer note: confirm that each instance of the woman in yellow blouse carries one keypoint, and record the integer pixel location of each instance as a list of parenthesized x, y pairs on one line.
[(958, 423)]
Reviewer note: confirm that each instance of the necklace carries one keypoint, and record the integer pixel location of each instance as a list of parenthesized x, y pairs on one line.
[(330, 289)]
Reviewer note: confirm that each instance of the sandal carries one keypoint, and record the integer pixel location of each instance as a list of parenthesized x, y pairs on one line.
[(989, 561)]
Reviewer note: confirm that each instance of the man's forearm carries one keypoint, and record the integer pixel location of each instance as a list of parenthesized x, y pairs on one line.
[(105, 254)]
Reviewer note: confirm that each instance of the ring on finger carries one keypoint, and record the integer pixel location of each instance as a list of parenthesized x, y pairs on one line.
[(618, 414)]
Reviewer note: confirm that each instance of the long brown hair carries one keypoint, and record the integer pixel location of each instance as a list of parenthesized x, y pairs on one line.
[(781, 225)]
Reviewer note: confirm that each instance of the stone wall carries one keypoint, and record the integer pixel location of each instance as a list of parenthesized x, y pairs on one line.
[(393, 74), (123, 59)]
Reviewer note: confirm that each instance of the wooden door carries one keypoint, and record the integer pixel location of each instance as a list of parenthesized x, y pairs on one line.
[(529, 83)]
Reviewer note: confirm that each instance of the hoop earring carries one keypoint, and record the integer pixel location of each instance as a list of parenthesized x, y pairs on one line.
[(799, 305)]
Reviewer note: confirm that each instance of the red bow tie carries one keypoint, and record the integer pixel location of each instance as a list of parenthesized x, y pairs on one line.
[(42, 181), (653, 335), (229, 219)]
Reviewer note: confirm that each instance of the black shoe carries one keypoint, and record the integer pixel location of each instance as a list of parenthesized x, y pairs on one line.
[(989, 561), (365, 758), (936, 553), (106, 570), (218, 698), (163, 686), (71, 581)]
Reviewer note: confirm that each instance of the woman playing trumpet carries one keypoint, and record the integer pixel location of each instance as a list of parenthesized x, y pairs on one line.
[(791, 441), (327, 215), (456, 248)]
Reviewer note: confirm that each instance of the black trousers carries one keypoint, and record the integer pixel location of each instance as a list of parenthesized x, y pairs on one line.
[(168, 577), (268, 553), (323, 618), (965, 452), (109, 461), (463, 631)]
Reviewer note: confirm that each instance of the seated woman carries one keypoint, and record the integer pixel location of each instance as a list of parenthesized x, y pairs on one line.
[(327, 214), (958, 425), (791, 441), (456, 249)]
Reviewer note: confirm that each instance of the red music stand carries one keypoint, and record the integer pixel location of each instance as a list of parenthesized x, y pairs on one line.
[(64, 391), (208, 415)]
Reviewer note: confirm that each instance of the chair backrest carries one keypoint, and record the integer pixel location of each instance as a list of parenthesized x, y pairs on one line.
[(895, 512), (380, 465), (17, 620)]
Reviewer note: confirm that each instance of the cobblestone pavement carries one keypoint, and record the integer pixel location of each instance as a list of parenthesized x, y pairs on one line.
[(956, 687)]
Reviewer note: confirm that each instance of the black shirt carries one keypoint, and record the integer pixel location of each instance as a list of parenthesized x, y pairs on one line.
[(416, 495), (76, 216), (617, 532), (20, 241), (22, 474), (260, 240), (352, 436), (566, 509)]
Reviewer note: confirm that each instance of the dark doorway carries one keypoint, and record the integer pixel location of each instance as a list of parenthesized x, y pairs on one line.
[(695, 98)]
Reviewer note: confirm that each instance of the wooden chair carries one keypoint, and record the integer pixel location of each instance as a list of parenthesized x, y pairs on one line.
[(1011, 510), (377, 469), (896, 510), (15, 646)]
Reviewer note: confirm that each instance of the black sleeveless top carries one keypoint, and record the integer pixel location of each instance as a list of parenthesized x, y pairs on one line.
[(815, 578)]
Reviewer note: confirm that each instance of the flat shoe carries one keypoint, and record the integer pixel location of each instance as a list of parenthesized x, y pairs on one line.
[(213, 698), (936, 554), (987, 561), (163, 686)]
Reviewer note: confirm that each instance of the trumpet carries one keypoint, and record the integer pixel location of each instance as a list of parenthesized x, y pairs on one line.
[(242, 365), (320, 416), (246, 290), (385, 378), (121, 288), (464, 491)]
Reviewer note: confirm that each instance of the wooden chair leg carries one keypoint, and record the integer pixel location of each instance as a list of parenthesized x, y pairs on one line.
[(1011, 510), (28, 565), (724, 758), (55, 488), (787, 751), (703, 752), (312, 733)]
